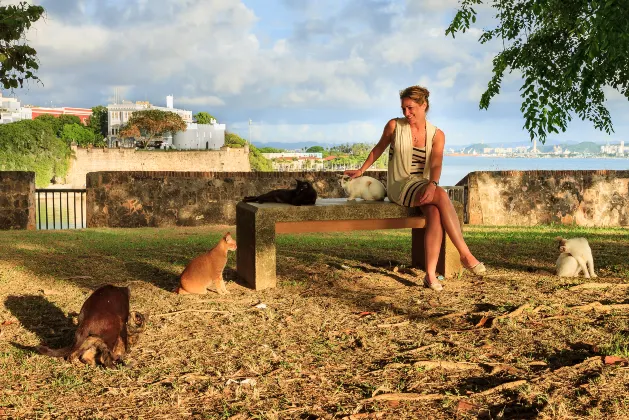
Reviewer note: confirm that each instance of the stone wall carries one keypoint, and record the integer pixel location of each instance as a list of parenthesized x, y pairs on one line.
[(17, 200), (134, 199), (96, 160), (527, 198)]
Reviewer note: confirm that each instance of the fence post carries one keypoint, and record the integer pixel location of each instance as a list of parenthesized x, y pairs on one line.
[(17, 200)]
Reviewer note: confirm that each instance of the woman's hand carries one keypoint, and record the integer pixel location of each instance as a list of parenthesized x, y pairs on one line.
[(427, 194), (353, 173)]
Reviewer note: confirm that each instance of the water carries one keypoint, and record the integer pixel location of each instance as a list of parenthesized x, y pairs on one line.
[(64, 217), (456, 167)]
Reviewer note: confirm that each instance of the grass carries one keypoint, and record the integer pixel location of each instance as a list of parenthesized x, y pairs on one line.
[(348, 321)]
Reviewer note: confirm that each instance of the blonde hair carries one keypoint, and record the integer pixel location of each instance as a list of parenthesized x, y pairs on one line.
[(418, 94)]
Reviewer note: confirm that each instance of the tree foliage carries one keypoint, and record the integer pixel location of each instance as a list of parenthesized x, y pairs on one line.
[(258, 162), (204, 118), (567, 52), (31, 145), (77, 133), (18, 61), (150, 124), (271, 150), (98, 121), (315, 149), (57, 123)]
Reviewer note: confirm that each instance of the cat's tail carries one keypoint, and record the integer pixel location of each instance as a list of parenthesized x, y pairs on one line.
[(250, 198)]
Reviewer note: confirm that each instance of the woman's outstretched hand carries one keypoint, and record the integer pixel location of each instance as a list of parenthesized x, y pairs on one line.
[(353, 173)]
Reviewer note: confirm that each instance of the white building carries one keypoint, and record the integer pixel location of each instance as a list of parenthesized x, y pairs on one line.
[(294, 155), (304, 163), (119, 114), (201, 136), (12, 111)]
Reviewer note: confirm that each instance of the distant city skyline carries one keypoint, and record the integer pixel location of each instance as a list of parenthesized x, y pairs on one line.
[(326, 71)]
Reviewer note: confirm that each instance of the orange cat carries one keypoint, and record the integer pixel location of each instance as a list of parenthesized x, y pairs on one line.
[(206, 269)]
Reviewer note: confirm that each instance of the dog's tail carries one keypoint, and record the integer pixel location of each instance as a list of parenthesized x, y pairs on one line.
[(45, 350), (250, 198)]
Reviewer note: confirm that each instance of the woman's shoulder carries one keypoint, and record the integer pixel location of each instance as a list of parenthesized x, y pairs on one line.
[(394, 122)]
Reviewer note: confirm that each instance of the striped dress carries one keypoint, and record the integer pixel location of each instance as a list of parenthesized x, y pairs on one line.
[(418, 163)]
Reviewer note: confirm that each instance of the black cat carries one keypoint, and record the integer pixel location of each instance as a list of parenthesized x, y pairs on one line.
[(303, 194)]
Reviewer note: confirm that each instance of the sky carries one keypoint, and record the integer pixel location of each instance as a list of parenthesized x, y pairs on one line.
[(326, 71)]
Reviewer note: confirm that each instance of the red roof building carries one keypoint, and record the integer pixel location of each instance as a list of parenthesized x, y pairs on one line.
[(82, 113)]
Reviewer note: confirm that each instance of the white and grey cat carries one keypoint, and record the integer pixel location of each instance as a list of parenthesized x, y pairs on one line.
[(364, 187), (575, 256)]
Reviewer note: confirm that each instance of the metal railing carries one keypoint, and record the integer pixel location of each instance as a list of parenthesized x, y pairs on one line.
[(459, 193), (61, 207)]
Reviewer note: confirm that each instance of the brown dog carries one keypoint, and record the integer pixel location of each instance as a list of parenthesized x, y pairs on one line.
[(106, 329)]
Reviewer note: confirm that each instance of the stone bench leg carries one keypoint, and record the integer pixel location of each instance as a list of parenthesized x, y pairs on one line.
[(449, 263), (255, 255)]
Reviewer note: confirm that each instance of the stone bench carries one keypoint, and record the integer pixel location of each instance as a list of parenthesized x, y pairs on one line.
[(257, 225)]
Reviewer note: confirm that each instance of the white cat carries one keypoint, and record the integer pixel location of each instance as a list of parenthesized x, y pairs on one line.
[(364, 187), (567, 266), (580, 250)]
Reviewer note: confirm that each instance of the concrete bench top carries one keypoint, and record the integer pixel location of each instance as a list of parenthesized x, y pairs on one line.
[(330, 209)]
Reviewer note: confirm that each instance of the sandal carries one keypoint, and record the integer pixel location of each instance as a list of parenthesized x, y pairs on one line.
[(436, 286), (478, 269)]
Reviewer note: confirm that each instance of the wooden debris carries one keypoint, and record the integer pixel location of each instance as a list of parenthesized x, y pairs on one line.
[(465, 406), (399, 324), (207, 311), (405, 397), (615, 360), (364, 416), (452, 315), (435, 364), (504, 387), (599, 307), (591, 286), (420, 349), (517, 312), (483, 321)]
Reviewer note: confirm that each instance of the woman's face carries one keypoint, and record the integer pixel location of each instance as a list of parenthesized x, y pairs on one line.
[(412, 110)]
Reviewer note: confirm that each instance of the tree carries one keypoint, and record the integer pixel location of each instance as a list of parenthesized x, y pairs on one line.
[(31, 145), (97, 122), (17, 59), (68, 119), (203, 118), (258, 162), (234, 140), (271, 150), (315, 149), (567, 51), (78, 134), (57, 123), (151, 124)]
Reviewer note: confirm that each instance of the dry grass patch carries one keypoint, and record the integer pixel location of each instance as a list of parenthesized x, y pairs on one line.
[(349, 333)]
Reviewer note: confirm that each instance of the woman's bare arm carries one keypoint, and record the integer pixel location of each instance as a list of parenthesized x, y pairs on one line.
[(376, 152)]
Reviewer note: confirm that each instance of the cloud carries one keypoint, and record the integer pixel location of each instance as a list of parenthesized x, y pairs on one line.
[(328, 70), (208, 101)]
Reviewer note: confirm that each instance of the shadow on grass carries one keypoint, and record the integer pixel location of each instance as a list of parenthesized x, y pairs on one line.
[(364, 269), (141, 271), (43, 318)]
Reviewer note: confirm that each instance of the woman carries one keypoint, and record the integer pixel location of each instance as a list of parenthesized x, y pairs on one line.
[(415, 158)]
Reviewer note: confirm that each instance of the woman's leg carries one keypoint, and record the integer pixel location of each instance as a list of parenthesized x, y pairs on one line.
[(433, 237), (451, 225)]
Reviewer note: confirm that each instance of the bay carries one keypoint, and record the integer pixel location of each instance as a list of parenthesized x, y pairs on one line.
[(456, 168)]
